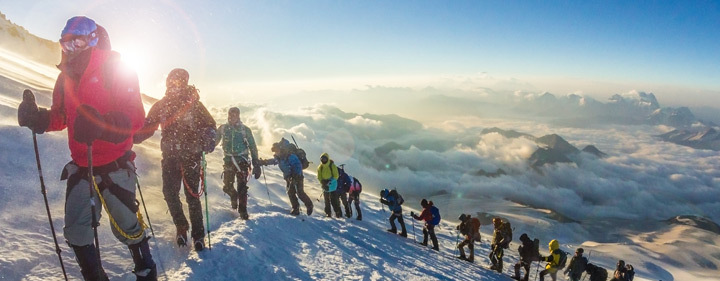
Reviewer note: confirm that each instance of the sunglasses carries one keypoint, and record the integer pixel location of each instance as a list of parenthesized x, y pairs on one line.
[(74, 44)]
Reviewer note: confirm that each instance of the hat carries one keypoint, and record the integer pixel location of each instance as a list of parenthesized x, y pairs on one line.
[(423, 202), (463, 217), (234, 110), (177, 74)]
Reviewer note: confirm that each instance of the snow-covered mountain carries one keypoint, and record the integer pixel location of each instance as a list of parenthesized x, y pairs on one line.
[(615, 207)]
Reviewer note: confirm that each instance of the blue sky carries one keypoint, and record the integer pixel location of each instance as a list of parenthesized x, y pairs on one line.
[(242, 47)]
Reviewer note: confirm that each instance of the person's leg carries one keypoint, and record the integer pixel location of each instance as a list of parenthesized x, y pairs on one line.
[(242, 190), (402, 225), (191, 180), (461, 248), (526, 266), (357, 206), (392, 219), (335, 201), (299, 185), (291, 189), (433, 237), (172, 183), (78, 229), (326, 198), (425, 236), (229, 174), (346, 205)]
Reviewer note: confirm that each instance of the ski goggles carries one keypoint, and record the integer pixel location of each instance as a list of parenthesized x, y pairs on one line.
[(74, 44)]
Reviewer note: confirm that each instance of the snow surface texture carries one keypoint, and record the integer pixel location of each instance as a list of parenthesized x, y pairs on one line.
[(613, 207)]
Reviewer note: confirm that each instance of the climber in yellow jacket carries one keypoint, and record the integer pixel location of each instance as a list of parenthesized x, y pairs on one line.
[(327, 173), (553, 261)]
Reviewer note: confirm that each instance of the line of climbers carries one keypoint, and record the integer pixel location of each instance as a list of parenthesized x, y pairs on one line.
[(98, 100)]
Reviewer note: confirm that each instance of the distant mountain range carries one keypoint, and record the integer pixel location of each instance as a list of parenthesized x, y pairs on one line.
[(701, 138)]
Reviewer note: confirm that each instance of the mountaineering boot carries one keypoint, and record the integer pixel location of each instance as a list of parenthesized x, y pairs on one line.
[(348, 213), (199, 244), (393, 231), (181, 237), (86, 257), (309, 209), (403, 234), (294, 212), (499, 266), (359, 217), (145, 268), (244, 216), (338, 215)]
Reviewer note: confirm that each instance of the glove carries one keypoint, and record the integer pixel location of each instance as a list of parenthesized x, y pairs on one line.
[(118, 127), (208, 140), (30, 116), (256, 170), (412, 214), (89, 126)]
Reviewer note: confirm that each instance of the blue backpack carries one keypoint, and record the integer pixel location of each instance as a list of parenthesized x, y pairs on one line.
[(435, 215)]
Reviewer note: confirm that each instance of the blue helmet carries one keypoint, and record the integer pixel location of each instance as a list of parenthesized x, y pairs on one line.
[(81, 26)]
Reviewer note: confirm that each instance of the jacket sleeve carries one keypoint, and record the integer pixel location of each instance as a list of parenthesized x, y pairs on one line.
[(152, 122), (220, 134), (57, 110), (295, 165), (251, 143), (319, 172), (207, 120)]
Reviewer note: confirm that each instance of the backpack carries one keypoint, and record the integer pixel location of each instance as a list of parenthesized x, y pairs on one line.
[(536, 248), (435, 215), (398, 198), (299, 152), (563, 259), (630, 274), (356, 185), (507, 230)]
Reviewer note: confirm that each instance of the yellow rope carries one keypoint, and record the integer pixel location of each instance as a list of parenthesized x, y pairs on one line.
[(143, 226)]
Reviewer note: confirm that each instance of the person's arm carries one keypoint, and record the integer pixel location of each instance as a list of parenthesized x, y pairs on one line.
[(220, 135), (319, 173), (251, 143), (152, 122)]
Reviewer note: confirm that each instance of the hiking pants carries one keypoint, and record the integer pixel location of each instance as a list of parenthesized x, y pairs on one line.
[(295, 190), (116, 182), (354, 197), (429, 229), (331, 198), (183, 173), (399, 217), (525, 265), (238, 196), (496, 256), (471, 246), (551, 271), (343, 196)]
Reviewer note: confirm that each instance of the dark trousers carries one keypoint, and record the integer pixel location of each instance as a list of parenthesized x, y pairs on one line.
[(295, 190), (429, 230), (525, 265), (355, 198), (238, 196), (183, 173), (397, 216), (496, 256), (332, 199), (551, 272), (343, 196)]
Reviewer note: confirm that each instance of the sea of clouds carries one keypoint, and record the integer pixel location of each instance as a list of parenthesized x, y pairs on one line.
[(642, 177)]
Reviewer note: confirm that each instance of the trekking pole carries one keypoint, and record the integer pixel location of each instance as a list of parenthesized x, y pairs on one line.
[(266, 186), (44, 193), (95, 222), (413, 223), (207, 213), (157, 246)]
